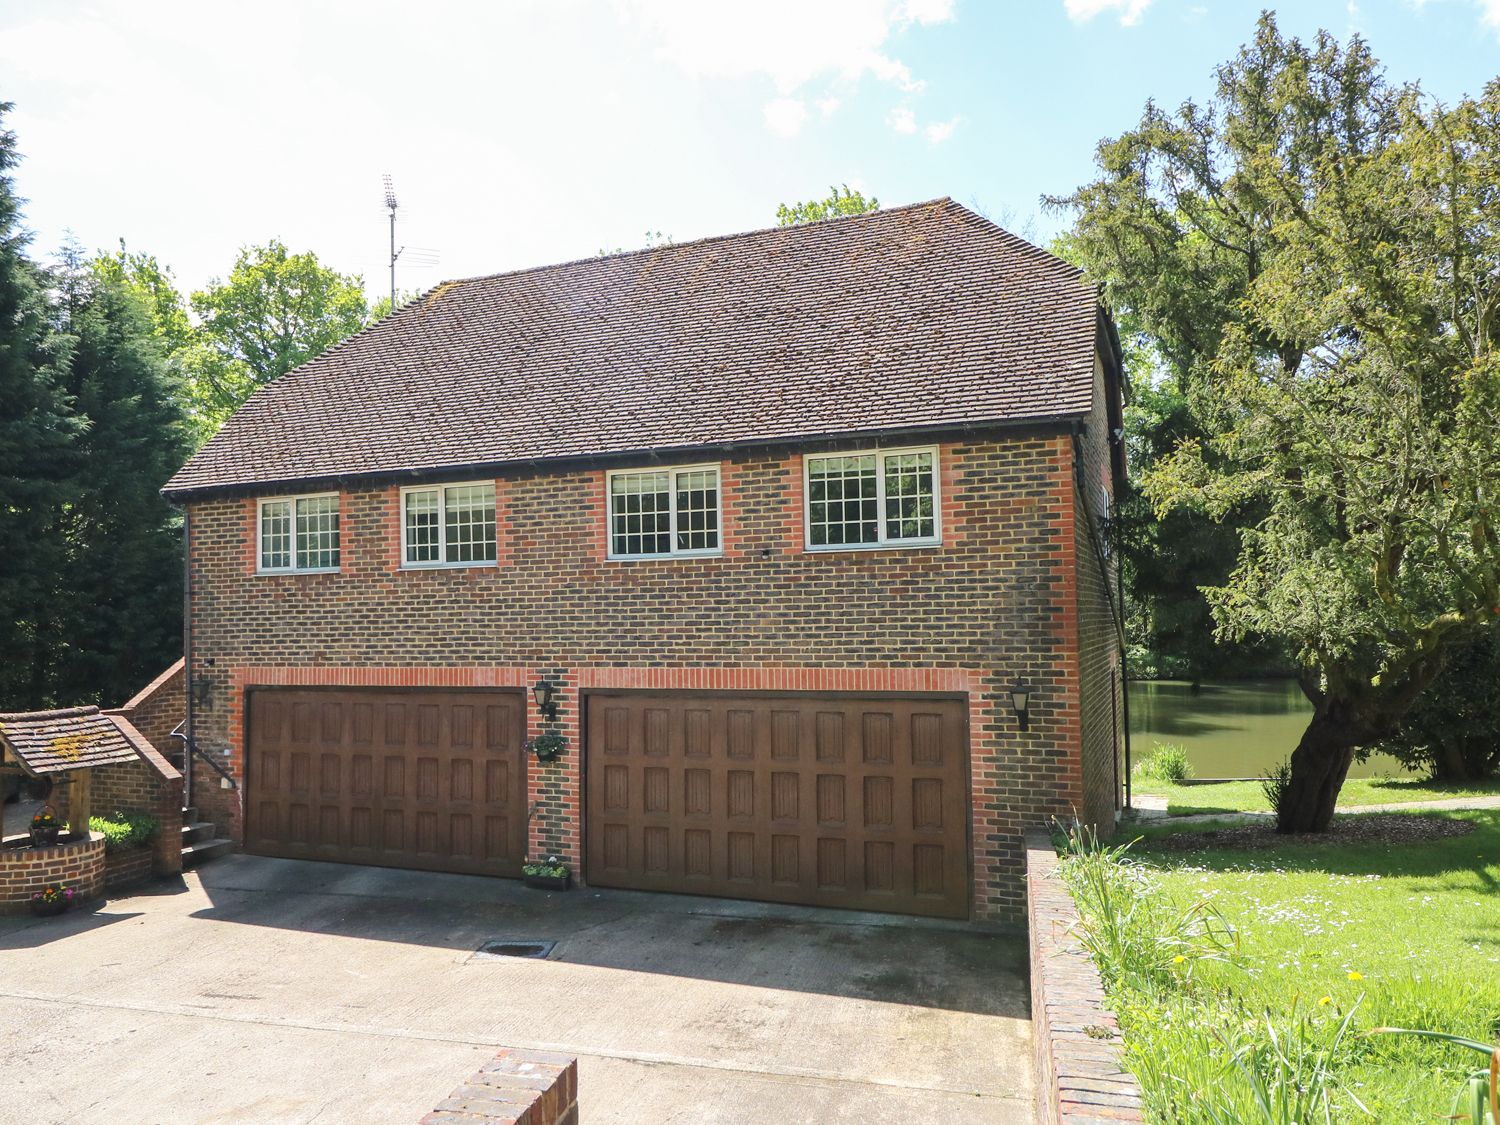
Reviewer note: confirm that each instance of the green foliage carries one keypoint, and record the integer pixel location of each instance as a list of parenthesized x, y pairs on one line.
[(552, 868), (1478, 1099), (1453, 731), (1138, 939), (1168, 761), (840, 201), (1275, 786), (37, 431), (123, 830), (275, 311)]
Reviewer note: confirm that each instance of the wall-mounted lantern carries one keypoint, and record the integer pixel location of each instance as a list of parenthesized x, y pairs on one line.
[(546, 700), (1020, 700), (203, 689)]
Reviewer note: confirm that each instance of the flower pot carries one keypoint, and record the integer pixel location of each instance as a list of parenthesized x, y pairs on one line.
[(45, 837), (548, 882), (48, 909)]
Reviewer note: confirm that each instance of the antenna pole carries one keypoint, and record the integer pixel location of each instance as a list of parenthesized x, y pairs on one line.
[(390, 202)]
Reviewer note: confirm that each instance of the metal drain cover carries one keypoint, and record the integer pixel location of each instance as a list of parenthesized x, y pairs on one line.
[(502, 948)]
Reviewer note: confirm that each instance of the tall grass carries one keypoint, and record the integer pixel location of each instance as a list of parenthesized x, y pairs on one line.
[(1168, 761)]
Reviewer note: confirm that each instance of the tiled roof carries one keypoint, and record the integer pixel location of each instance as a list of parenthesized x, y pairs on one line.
[(919, 317), (71, 739)]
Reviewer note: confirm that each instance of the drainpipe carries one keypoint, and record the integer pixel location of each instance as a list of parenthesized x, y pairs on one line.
[(187, 653), (1124, 683)]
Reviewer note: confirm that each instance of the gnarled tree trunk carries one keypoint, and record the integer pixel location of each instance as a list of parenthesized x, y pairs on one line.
[(1319, 765)]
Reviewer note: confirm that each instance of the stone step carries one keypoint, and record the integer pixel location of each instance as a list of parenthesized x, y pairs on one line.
[(195, 855), (197, 832), (190, 814)]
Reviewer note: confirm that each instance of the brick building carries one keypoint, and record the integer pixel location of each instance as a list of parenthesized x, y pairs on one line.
[(779, 521)]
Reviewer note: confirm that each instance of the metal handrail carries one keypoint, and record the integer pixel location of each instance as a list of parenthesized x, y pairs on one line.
[(191, 748)]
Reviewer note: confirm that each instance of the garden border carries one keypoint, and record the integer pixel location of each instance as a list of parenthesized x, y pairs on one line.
[(1080, 1075)]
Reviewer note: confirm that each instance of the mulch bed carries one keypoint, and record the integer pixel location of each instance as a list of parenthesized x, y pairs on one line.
[(1361, 828)]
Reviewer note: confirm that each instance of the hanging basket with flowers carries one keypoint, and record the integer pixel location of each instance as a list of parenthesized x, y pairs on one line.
[(45, 827)]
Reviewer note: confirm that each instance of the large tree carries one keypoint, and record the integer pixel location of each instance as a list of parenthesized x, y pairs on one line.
[(1178, 228), (119, 595), (36, 434), (274, 312), (1356, 399)]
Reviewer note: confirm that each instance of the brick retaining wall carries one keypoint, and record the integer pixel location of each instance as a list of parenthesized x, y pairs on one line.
[(514, 1088), (1080, 1078), (23, 871), (127, 867)]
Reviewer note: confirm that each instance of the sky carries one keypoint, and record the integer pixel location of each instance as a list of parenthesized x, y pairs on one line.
[(523, 132)]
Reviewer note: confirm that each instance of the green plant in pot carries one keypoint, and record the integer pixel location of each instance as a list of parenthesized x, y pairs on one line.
[(51, 899), (547, 747), (550, 874)]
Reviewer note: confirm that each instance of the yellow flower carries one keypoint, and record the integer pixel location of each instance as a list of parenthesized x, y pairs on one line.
[(1325, 1001), (1356, 976), (1179, 959)]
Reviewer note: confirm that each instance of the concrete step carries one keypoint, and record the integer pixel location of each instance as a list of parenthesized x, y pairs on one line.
[(197, 832), (195, 855)]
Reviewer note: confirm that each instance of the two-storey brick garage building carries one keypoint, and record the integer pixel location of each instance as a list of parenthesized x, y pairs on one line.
[(781, 519)]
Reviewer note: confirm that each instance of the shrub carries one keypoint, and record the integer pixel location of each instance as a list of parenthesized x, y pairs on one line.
[(125, 830), (1275, 785), (1168, 761), (1453, 730)]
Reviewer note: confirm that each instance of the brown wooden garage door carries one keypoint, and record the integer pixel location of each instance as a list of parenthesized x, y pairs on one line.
[(430, 780), (830, 801)]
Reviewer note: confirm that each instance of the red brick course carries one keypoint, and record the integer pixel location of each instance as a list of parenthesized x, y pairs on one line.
[(514, 1088), (997, 602), (1080, 1078)]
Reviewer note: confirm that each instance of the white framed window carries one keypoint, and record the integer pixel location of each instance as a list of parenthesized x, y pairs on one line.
[(298, 534), (879, 498), (664, 513), (448, 525)]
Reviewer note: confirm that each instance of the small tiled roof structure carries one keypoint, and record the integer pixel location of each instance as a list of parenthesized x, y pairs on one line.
[(75, 738), (911, 320)]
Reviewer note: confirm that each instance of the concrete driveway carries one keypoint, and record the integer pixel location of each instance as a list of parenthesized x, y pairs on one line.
[(283, 991)]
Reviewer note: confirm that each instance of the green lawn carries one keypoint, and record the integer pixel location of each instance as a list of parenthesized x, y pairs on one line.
[(1410, 933), (1246, 796)]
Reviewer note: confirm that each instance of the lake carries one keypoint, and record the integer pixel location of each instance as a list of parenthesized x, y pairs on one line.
[(1238, 729)]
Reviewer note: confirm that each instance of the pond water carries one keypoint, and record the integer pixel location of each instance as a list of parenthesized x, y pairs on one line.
[(1237, 729)]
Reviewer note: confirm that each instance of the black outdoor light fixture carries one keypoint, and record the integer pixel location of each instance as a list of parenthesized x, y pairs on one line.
[(1020, 698), (545, 701), (202, 690)]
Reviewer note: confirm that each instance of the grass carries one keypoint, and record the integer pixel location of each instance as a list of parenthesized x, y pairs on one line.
[(1246, 796), (1373, 934)]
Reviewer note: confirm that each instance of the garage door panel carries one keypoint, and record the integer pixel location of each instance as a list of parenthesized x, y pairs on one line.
[(841, 801), (395, 779)]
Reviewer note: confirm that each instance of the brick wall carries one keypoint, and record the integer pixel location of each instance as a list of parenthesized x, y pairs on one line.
[(1080, 1078), (516, 1087), (127, 867), (996, 602), (158, 708), (150, 785), (1101, 710), (23, 871)]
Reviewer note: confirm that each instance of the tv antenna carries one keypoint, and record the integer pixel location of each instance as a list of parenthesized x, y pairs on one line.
[(420, 255)]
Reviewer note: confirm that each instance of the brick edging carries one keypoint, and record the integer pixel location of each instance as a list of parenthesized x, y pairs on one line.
[(516, 1087), (1080, 1077)]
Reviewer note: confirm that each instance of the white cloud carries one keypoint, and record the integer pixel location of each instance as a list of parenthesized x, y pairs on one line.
[(828, 106), (786, 116), (902, 120), (1081, 11), (940, 131), (1489, 12), (789, 41)]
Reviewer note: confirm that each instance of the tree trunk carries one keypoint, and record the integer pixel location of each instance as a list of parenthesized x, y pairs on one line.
[(1319, 765), (1448, 763)]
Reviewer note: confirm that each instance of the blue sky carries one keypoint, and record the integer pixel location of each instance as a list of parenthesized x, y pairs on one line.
[(534, 131)]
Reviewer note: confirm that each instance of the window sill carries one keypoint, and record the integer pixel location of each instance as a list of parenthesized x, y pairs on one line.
[(680, 556), (838, 548), (418, 568), (297, 573)]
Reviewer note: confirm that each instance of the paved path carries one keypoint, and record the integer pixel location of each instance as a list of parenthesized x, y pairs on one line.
[(1153, 807), (287, 992)]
